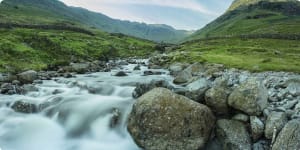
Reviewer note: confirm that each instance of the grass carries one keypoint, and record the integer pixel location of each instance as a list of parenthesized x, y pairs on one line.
[(251, 54), (22, 49)]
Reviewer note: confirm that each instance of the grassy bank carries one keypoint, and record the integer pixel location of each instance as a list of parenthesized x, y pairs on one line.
[(251, 54), (23, 49)]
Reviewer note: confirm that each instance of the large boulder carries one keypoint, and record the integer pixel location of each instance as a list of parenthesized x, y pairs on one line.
[(28, 76), (164, 120), (250, 97), (289, 137), (275, 122), (233, 135), (176, 68)]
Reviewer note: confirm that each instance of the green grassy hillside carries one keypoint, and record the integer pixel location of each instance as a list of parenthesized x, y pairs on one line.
[(264, 36), (23, 49), (56, 12)]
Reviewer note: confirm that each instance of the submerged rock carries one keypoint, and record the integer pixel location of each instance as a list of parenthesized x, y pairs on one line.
[(164, 120)]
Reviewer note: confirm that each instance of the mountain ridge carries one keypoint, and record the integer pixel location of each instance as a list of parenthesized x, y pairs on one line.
[(57, 11)]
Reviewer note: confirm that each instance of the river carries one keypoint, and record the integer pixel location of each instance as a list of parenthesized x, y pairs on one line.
[(88, 112)]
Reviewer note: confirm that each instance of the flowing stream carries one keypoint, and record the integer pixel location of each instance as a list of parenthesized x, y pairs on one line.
[(88, 112)]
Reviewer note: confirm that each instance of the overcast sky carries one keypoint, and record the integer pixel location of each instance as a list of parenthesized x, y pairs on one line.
[(181, 14)]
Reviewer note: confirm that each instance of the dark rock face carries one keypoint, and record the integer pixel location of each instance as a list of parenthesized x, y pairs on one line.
[(233, 135), (289, 137), (163, 120), (250, 97), (24, 107)]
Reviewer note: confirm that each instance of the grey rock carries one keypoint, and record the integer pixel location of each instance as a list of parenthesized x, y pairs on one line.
[(183, 77), (250, 97), (257, 128), (164, 120), (176, 68), (27, 76), (294, 89), (216, 99), (233, 135), (152, 72), (276, 120), (196, 90), (137, 67), (29, 88), (289, 137), (80, 68), (241, 117)]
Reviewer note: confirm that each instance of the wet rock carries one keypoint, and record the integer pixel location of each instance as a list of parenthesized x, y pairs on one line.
[(275, 122), (233, 135), (16, 82), (57, 91), (115, 120), (5, 87), (50, 102), (161, 119), (289, 137), (257, 128), (155, 67), (142, 88), (152, 72), (250, 97), (27, 76), (24, 107), (120, 74), (137, 67)]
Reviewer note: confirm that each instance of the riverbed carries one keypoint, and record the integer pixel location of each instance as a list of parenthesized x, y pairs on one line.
[(87, 112)]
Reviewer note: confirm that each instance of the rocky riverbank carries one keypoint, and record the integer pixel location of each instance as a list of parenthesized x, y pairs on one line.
[(207, 106), (257, 111)]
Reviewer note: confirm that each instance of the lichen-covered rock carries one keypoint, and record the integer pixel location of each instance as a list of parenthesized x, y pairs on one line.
[(289, 137), (233, 135), (275, 120), (162, 120), (250, 97)]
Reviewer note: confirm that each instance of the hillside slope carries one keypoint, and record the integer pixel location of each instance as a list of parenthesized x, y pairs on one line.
[(260, 18), (56, 12), (264, 36)]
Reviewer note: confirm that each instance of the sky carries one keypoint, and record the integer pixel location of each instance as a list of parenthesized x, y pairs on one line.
[(180, 14)]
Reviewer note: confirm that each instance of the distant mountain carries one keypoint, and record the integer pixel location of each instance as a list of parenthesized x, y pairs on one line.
[(56, 12), (255, 17)]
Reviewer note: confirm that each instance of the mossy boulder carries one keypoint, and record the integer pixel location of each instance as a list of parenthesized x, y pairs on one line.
[(164, 120)]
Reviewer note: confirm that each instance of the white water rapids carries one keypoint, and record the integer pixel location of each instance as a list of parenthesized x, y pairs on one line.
[(74, 118)]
